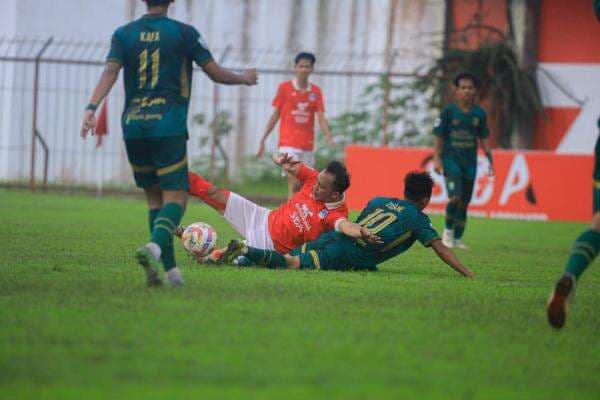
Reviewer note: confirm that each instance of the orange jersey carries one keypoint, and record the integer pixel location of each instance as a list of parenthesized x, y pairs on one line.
[(297, 112), (303, 218)]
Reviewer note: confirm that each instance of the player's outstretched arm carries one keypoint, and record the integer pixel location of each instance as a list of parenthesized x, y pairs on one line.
[(450, 258), (287, 163), (487, 149), (107, 80), (225, 76), (356, 231), (437, 155)]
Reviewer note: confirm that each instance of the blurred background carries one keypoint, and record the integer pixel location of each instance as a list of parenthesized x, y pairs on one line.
[(383, 66)]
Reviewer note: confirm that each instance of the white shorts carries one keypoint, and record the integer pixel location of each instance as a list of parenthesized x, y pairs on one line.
[(307, 157), (249, 220)]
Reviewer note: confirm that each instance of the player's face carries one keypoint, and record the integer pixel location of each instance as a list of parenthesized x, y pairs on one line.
[(465, 91), (303, 69), (323, 190)]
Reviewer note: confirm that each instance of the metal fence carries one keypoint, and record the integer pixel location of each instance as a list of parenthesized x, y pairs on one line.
[(45, 84)]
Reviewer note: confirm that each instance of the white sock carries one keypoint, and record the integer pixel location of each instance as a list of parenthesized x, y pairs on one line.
[(154, 249)]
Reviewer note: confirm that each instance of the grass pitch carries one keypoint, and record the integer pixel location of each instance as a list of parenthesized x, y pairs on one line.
[(76, 320)]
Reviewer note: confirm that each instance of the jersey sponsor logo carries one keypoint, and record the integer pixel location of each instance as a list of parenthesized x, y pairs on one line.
[(301, 217), (301, 115), (475, 121), (312, 97), (323, 214), (455, 121)]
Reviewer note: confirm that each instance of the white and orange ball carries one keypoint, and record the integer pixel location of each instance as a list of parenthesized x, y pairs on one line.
[(199, 239)]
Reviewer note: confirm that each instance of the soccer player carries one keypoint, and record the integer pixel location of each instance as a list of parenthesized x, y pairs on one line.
[(385, 228), (156, 54), (457, 131), (582, 255), (296, 103), (318, 207)]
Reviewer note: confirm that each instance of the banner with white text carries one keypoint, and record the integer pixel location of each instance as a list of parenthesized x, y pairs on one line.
[(534, 185)]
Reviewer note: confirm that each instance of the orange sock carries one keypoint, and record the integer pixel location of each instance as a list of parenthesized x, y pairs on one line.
[(199, 187)]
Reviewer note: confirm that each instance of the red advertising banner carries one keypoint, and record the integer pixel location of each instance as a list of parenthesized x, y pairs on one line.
[(531, 185)]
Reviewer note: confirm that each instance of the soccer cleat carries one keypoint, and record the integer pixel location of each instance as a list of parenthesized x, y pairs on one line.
[(212, 258), (175, 278), (461, 245), (179, 231), (448, 238), (559, 301), (234, 249), (150, 264)]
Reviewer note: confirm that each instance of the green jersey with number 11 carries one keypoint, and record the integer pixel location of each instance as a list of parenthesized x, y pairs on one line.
[(156, 53)]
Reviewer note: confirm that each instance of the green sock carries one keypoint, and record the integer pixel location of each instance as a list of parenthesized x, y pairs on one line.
[(459, 223), (151, 217), (450, 215), (168, 253), (166, 221), (267, 258), (584, 251)]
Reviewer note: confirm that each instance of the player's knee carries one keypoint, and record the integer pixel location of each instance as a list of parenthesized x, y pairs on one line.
[(292, 262), (456, 200), (596, 222), (175, 196)]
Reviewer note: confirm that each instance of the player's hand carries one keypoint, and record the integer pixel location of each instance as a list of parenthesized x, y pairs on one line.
[(261, 149), (89, 123), (285, 159), (369, 236), (438, 167), (250, 77)]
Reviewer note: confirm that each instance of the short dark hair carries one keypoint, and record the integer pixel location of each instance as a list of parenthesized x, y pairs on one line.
[(465, 75), (154, 3), (341, 180), (305, 56), (418, 185)]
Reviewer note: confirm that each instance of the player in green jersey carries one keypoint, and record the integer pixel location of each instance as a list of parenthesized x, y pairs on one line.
[(584, 252), (585, 249), (385, 228), (157, 56), (461, 125)]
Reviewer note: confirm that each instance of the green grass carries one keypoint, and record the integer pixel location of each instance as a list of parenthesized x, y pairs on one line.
[(77, 322)]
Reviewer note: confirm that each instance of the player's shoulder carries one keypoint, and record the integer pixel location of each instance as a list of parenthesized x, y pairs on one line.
[(286, 85), (478, 111), (315, 88)]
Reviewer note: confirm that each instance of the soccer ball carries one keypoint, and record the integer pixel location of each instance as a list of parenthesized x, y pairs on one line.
[(199, 239)]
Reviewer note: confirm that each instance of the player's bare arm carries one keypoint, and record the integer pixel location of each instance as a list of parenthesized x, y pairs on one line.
[(107, 80), (447, 256), (356, 231), (485, 145), (437, 154), (270, 125), (324, 125), (225, 76), (287, 163)]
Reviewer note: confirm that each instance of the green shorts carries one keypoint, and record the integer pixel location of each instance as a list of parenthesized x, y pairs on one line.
[(329, 253), (596, 196), (459, 186), (159, 160)]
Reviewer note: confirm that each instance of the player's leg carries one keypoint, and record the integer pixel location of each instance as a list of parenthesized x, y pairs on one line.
[(144, 174), (204, 190), (259, 257), (454, 189), (584, 251), (460, 220)]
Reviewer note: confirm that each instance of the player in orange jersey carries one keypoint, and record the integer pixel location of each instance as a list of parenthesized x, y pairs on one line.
[(296, 103)]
